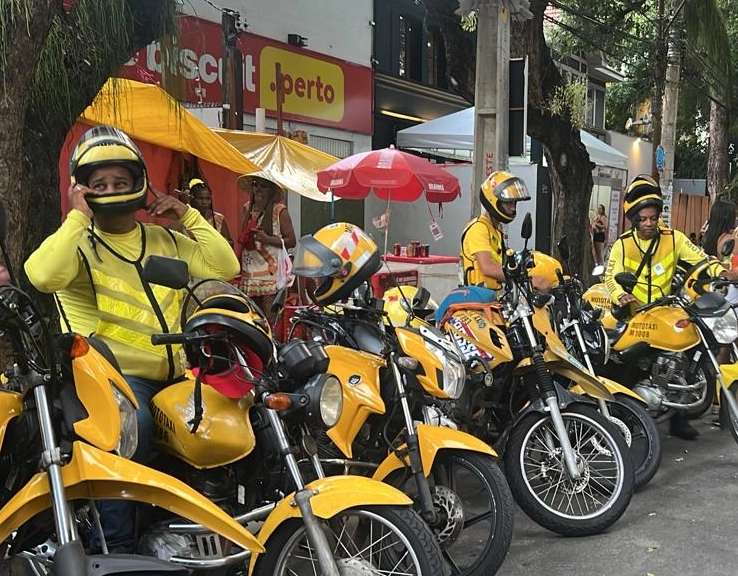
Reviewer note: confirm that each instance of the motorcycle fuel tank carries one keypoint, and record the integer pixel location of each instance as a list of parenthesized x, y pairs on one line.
[(659, 328), (224, 435)]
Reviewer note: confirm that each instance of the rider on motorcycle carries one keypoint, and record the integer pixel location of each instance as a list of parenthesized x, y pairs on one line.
[(482, 243), (93, 263), (651, 251)]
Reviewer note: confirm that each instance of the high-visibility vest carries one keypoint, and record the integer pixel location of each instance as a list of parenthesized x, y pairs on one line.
[(472, 274)]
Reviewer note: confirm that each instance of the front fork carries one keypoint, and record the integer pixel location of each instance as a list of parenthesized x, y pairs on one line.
[(726, 393), (548, 393), (427, 509), (318, 539), (588, 361)]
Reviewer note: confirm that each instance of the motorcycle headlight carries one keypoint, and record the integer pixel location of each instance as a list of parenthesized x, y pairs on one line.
[(453, 370), (128, 439), (326, 400), (724, 328)]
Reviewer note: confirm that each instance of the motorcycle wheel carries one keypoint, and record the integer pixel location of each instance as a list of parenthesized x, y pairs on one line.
[(376, 540), (726, 420), (643, 437), (541, 485), (475, 511)]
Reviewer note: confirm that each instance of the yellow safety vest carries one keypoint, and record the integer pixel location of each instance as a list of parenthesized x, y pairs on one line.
[(656, 273), (130, 309), (472, 274)]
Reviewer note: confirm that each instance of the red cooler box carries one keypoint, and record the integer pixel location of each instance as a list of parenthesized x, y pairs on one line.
[(382, 281)]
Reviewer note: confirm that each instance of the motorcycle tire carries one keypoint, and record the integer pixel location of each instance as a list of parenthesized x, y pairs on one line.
[(644, 440), (726, 421), (541, 485), (475, 510), (402, 543)]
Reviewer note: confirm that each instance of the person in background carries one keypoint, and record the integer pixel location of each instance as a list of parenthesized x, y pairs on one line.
[(693, 238), (599, 234), (93, 264), (201, 198), (720, 230), (651, 252), (265, 226), (482, 244)]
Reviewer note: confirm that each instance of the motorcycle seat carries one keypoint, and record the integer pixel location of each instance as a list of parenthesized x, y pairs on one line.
[(614, 333), (711, 302)]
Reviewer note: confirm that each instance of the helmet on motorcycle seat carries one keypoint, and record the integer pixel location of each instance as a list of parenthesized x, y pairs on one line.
[(500, 187), (642, 191), (341, 255), (233, 361), (103, 146), (545, 267)]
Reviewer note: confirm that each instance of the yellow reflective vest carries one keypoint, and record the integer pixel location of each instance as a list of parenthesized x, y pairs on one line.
[(480, 235)]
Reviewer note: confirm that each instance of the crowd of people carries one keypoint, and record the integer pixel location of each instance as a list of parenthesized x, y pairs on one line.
[(93, 262)]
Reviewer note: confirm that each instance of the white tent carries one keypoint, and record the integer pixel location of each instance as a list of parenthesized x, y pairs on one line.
[(455, 133)]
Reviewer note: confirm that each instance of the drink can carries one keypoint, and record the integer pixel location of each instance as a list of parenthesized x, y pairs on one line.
[(396, 248)]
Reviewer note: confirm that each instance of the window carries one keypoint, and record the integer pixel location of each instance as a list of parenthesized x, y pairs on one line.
[(596, 107), (410, 54), (435, 59)]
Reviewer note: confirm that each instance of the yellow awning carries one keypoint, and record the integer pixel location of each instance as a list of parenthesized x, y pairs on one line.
[(146, 112), (292, 165)]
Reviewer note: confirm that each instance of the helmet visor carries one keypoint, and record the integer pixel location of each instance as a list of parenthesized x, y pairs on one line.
[(314, 260), (511, 190)]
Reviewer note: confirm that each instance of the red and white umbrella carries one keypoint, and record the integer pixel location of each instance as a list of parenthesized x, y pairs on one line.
[(391, 174)]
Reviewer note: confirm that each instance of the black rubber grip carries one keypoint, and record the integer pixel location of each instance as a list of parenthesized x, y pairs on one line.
[(157, 339)]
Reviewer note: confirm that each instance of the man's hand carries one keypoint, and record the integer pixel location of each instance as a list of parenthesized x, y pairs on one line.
[(165, 206), (76, 194), (626, 299), (4, 275)]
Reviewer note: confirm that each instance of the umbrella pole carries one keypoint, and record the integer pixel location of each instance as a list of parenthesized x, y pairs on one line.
[(333, 207), (386, 228)]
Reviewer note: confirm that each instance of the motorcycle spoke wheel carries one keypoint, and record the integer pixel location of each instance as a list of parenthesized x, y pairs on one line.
[(372, 541), (542, 485)]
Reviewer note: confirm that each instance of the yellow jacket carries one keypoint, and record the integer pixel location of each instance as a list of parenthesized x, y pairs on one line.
[(97, 279), (654, 280), (480, 235)]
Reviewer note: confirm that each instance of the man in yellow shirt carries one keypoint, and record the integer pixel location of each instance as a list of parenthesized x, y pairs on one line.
[(651, 251), (93, 263), (482, 244)]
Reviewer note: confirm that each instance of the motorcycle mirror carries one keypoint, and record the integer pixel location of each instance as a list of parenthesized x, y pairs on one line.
[(726, 250), (627, 280), (563, 247), (526, 230), (165, 271), (420, 300)]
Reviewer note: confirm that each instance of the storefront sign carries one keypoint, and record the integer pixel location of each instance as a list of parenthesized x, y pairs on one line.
[(317, 89)]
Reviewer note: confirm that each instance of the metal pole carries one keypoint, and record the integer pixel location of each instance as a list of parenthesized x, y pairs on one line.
[(280, 95), (491, 93)]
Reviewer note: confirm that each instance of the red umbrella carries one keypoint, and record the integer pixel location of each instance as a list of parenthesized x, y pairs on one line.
[(391, 174)]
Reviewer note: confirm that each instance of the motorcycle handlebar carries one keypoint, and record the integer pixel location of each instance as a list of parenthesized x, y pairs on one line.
[(160, 339)]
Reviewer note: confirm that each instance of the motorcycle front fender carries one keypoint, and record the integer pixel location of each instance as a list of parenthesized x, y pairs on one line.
[(93, 474), (332, 495), (432, 439), (612, 387), (729, 374)]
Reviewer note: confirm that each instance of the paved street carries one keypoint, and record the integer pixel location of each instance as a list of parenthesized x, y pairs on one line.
[(682, 523)]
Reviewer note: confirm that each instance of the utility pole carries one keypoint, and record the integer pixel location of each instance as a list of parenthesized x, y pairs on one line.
[(491, 99), (658, 88), (671, 102), (231, 89)]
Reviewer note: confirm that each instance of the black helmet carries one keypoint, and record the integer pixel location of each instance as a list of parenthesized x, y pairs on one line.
[(643, 191)]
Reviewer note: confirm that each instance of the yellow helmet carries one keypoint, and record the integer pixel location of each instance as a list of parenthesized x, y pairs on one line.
[(104, 146), (642, 191), (399, 302), (546, 267), (499, 187), (342, 255)]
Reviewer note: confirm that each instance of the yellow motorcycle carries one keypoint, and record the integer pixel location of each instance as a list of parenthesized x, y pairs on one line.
[(390, 430), (67, 429), (568, 467), (241, 430), (666, 350)]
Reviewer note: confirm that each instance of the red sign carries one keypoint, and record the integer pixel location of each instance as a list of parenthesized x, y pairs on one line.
[(317, 89)]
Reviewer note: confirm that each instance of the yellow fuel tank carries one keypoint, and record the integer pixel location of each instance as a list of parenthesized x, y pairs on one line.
[(224, 435), (658, 327), (598, 296)]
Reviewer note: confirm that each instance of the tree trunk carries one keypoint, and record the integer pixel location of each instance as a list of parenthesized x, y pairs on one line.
[(567, 158), (717, 157)]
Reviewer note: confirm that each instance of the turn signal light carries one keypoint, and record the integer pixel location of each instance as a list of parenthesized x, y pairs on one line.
[(683, 323), (278, 401), (80, 346)]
